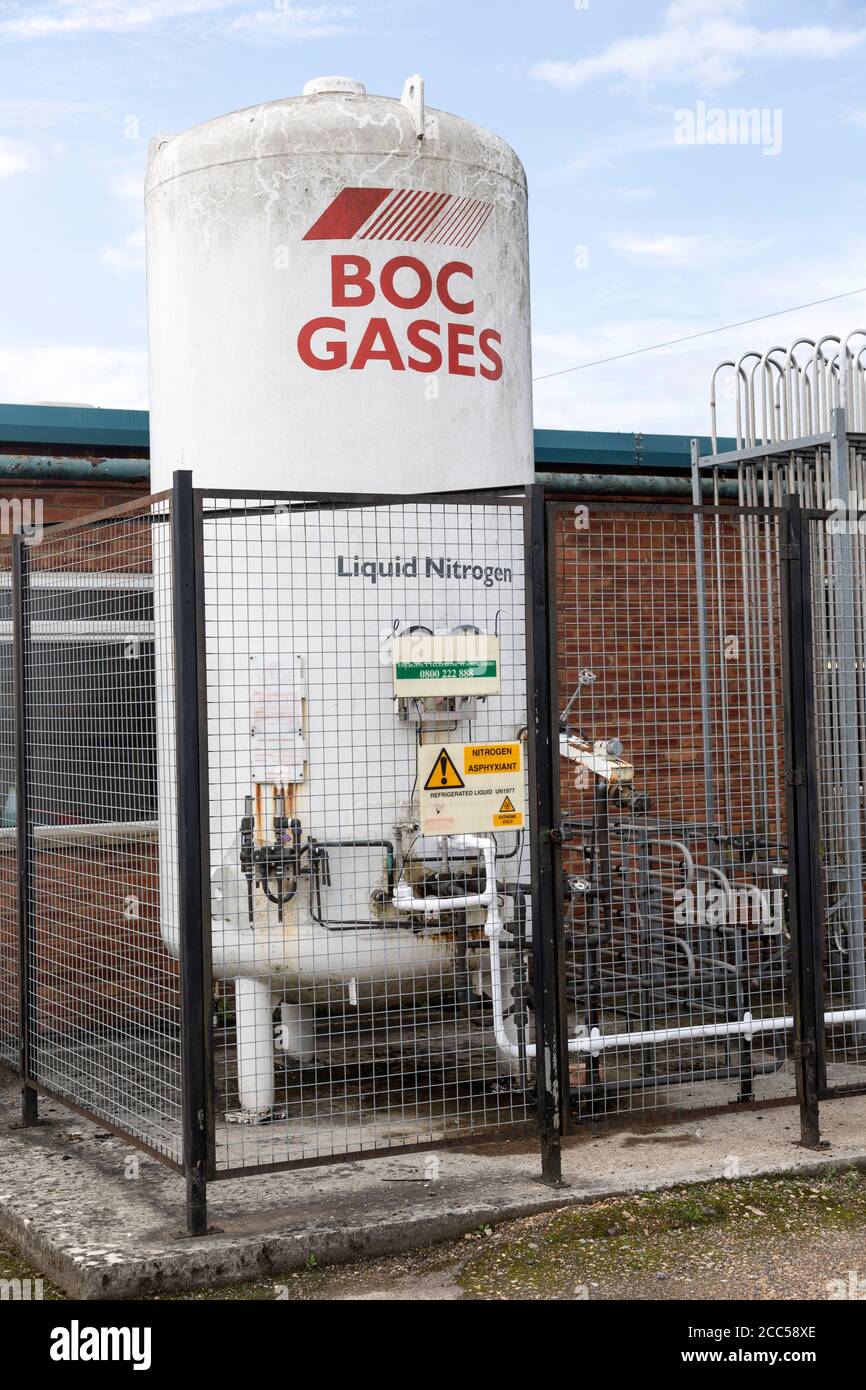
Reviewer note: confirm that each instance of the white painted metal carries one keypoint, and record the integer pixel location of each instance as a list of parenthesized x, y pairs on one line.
[(246, 393), (787, 393), (232, 282)]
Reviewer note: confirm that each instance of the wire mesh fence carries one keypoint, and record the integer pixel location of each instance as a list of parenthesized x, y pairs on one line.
[(829, 476), (9, 997), (354, 655), (673, 795), (838, 556), (282, 864), (103, 1022)]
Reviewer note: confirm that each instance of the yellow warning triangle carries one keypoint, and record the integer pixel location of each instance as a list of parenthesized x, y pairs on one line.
[(443, 774), (507, 805)]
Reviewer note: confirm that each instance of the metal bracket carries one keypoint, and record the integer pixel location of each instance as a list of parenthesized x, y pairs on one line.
[(550, 837), (413, 99)]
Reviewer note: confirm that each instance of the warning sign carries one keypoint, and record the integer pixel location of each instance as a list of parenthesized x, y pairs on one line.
[(481, 759), (507, 816), (469, 788), (443, 773)]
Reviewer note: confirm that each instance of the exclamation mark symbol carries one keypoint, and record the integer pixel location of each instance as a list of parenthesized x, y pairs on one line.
[(443, 763)]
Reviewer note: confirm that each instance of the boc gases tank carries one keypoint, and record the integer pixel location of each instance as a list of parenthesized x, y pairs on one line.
[(338, 301), (315, 266)]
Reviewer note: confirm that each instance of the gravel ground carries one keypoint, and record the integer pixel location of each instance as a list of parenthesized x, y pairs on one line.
[(762, 1239)]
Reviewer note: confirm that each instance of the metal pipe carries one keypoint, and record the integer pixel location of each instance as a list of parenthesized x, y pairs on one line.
[(611, 484), (38, 467), (404, 899), (596, 1042)]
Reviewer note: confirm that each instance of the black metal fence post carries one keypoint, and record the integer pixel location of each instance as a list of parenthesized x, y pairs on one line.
[(804, 883), (551, 1056), (192, 848), (23, 824)]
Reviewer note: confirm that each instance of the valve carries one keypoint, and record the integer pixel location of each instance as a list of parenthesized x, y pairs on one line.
[(274, 867)]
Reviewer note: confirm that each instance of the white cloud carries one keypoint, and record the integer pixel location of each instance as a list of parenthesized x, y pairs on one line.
[(604, 150), (692, 251), (634, 195), (129, 255), (682, 11), (699, 41), (15, 157), (64, 17), (99, 375), (296, 22), (677, 250), (59, 18)]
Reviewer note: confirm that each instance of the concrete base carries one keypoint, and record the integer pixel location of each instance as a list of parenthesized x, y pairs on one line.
[(104, 1221)]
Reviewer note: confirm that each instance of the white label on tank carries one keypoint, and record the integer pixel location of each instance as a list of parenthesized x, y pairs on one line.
[(277, 692), (447, 663)]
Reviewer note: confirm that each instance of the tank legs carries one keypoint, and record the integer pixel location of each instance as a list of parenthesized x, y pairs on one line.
[(297, 1031), (296, 1036), (255, 1048)]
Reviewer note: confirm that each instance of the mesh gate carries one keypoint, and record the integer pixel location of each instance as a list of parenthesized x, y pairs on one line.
[(9, 1022), (827, 472), (360, 1004), (269, 816), (673, 804), (837, 556)]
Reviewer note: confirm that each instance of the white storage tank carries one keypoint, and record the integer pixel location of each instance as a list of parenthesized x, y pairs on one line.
[(330, 278), (339, 302)]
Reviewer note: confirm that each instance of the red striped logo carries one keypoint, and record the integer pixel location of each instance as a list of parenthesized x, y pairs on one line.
[(401, 214)]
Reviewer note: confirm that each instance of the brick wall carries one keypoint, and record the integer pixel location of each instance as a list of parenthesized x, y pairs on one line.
[(62, 501), (100, 964)]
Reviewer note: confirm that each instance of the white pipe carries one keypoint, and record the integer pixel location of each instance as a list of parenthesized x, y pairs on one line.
[(596, 1042), (406, 901), (85, 630), (746, 1027), (506, 1044)]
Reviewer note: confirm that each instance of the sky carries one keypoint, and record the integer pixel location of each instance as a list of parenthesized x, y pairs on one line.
[(657, 209)]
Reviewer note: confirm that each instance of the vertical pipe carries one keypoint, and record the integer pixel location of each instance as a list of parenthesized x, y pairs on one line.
[(551, 1067), (847, 683), (804, 894), (193, 857), (603, 875), (703, 644), (23, 825)]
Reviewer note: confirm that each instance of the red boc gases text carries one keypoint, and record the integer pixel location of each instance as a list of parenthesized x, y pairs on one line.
[(430, 346)]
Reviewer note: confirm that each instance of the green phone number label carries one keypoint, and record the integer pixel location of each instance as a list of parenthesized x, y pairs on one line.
[(446, 671)]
